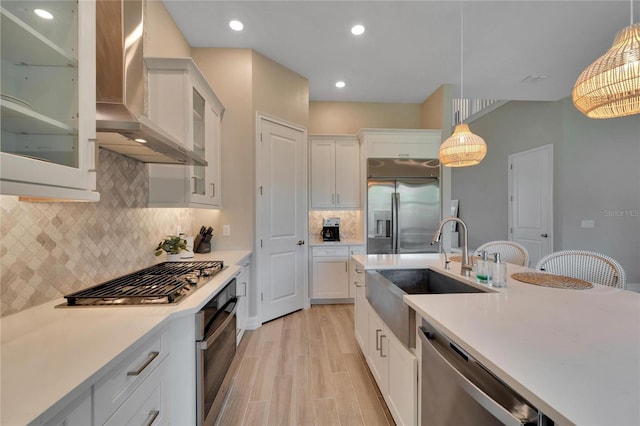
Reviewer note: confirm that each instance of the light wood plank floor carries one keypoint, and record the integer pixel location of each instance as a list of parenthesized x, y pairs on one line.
[(304, 369)]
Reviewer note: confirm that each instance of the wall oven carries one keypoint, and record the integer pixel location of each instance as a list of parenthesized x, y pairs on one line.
[(215, 350)]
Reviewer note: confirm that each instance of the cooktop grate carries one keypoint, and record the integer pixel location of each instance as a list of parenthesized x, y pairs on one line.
[(163, 283)]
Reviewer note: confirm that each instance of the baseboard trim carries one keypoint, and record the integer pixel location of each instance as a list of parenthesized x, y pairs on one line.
[(253, 323), (331, 301)]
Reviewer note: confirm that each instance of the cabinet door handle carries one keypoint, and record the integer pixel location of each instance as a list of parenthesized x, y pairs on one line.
[(378, 339), (149, 360), (213, 190), (193, 180), (333, 198), (346, 266), (153, 414), (337, 198), (381, 354)]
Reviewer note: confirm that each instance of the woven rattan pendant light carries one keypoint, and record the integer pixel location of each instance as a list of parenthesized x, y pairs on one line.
[(610, 87), (462, 148)]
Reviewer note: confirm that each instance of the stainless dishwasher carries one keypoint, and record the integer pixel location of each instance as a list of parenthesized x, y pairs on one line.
[(458, 390)]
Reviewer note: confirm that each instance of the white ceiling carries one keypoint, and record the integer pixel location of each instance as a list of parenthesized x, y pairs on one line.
[(410, 48)]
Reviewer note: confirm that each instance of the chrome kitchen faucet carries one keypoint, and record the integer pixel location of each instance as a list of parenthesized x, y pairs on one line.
[(466, 267)]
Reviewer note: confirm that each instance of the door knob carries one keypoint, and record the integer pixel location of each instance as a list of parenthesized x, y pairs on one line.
[(301, 242), (544, 235)]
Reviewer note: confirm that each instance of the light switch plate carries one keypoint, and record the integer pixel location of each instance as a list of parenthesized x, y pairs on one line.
[(588, 224)]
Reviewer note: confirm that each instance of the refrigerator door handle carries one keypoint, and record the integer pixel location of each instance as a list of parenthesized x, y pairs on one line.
[(394, 222)]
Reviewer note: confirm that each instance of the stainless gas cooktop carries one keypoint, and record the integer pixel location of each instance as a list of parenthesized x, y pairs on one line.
[(161, 284)]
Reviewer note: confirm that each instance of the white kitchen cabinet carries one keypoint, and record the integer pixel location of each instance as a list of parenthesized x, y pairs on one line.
[(356, 273), (125, 380), (335, 172), (186, 107), (242, 291), (330, 266), (76, 413), (361, 316), (401, 392), (393, 366), (149, 403), (48, 103), (374, 356), (400, 143)]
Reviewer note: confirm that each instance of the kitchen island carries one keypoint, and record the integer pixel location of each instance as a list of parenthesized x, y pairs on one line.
[(52, 356), (574, 354)]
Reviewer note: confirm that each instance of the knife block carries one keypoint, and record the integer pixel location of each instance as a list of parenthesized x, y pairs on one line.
[(204, 247)]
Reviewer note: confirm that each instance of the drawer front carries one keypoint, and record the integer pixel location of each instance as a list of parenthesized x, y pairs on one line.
[(148, 404), (331, 251), (118, 384)]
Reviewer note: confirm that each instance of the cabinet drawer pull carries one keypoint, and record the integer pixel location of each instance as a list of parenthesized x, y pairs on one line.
[(378, 339), (153, 414), (149, 360)]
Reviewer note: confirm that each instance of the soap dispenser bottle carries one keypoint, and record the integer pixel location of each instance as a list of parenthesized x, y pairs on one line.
[(483, 271), (499, 274)]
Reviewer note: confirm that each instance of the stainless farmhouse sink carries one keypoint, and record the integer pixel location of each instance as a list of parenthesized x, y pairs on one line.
[(385, 288)]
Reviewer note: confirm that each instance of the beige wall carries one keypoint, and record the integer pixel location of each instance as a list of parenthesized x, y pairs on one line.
[(433, 109), (229, 72), (279, 91), (162, 36), (349, 117)]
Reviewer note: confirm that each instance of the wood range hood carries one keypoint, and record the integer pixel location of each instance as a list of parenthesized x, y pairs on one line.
[(121, 89)]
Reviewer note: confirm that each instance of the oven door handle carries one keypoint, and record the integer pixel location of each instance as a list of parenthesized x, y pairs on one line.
[(209, 341)]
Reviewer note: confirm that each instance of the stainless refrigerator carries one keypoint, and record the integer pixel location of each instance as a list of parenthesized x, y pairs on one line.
[(403, 205)]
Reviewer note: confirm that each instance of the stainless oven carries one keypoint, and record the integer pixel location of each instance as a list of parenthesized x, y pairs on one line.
[(215, 350)]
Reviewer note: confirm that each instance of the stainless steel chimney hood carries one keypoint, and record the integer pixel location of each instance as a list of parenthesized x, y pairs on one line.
[(121, 121)]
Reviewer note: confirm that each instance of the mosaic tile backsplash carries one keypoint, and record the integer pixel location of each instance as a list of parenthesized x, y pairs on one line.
[(350, 223), (48, 250)]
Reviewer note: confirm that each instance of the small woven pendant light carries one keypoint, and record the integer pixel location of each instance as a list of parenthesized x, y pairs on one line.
[(462, 148), (610, 87)]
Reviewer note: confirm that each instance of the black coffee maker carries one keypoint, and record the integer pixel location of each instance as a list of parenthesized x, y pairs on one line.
[(331, 229)]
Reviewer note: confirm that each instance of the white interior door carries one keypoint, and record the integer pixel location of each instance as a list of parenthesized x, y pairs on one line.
[(282, 219), (531, 196)]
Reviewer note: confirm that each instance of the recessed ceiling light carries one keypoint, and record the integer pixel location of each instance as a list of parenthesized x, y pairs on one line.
[(340, 84), (140, 140), (236, 25), (357, 29), (44, 14)]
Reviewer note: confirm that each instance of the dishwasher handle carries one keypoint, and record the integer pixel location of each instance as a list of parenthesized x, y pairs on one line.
[(493, 407)]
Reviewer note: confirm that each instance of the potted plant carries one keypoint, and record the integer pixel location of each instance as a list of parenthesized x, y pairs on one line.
[(172, 245)]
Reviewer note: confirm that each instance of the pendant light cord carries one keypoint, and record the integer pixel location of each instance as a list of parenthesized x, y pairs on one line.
[(461, 51), (631, 7)]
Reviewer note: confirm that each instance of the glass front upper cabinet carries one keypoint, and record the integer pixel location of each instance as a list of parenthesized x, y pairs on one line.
[(48, 99)]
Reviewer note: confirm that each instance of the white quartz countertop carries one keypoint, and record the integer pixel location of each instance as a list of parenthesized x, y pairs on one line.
[(574, 354), (49, 355), (343, 242)]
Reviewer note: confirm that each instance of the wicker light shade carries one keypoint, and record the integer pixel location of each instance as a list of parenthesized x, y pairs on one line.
[(462, 148), (610, 87)]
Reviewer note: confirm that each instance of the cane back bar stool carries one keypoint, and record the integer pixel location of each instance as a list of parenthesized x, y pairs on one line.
[(585, 265), (510, 252)]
